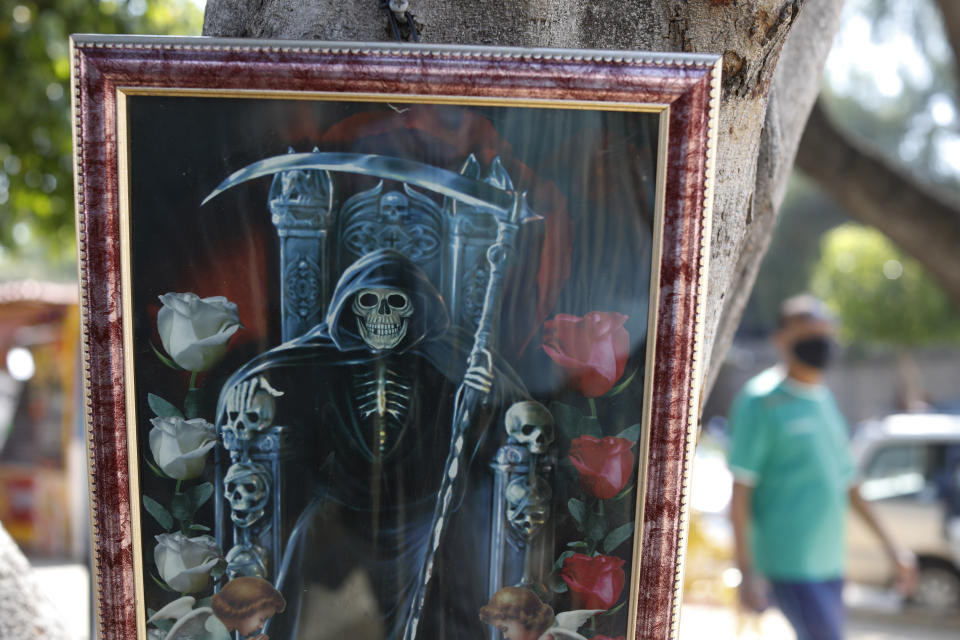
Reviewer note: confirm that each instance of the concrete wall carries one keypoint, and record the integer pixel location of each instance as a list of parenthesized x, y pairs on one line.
[(866, 385)]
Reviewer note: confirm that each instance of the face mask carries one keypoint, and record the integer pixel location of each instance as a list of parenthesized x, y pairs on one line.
[(814, 352)]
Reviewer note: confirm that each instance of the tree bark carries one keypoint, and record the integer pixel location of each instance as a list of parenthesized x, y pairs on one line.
[(25, 613), (920, 220), (756, 144)]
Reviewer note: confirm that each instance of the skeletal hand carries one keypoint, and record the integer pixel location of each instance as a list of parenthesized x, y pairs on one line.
[(250, 406), (479, 374)]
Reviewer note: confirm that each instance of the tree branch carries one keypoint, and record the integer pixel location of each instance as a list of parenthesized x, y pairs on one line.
[(870, 188), (950, 10)]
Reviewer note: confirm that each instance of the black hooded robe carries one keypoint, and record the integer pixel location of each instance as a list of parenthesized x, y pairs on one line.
[(374, 471)]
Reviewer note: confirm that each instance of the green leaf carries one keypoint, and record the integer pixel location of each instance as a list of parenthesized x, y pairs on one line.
[(590, 426), (557, 585), (623, 384), (567, 418), (199, 495), (181, 507), (563, 556), (159, 512), (578, 509), (610, 612), (165, 359), (596, 527), (162, 408), (199, 527), (631, 433), (579, 544), (617, 537)]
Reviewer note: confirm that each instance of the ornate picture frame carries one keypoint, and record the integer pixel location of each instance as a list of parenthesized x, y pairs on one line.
[(390, 341)]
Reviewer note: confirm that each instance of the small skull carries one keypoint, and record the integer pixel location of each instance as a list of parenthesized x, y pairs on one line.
[(251, 408), (246, 560), (382, 316), (530, 424), (528, 507), (394, 207), (247, 488)]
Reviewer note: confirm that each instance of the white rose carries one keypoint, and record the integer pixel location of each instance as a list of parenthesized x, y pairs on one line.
[(195, 330), (185, 563), (174, 610), (180, 446)]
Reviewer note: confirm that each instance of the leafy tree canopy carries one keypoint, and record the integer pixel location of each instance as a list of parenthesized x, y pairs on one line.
[(891, 79), (883, 297), (36, 183)]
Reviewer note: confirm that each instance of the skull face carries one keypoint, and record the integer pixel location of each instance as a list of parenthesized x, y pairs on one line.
[(247, 488), (528, 507), (251, 408), (529, 423), (394, 206), (382, 316), (246, 560)]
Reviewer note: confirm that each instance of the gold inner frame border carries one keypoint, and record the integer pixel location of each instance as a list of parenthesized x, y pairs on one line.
[(123, 159)]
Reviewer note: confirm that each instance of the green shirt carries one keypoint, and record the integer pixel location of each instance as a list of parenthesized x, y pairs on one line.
[(790, 443)]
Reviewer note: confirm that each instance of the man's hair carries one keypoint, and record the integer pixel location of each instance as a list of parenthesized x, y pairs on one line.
[(802, 307)]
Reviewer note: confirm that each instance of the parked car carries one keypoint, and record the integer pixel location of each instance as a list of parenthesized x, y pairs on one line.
[(910, 472)]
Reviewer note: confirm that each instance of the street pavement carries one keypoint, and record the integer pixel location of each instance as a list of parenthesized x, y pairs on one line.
[(869, 617)]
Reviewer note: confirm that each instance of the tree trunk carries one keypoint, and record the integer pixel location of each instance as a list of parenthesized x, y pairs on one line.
[(25, 613), (756, 144)]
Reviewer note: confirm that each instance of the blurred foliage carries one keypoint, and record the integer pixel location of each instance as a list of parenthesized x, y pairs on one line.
[(882, 296), (36, 183), (805, 215), (891, 79)]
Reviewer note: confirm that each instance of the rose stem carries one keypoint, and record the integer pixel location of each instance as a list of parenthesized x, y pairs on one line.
[(593, 407)]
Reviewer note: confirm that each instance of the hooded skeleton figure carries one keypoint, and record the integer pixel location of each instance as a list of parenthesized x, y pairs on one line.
[(373, 388)]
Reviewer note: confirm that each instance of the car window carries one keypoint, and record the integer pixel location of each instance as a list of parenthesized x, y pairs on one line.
[(914, 470)]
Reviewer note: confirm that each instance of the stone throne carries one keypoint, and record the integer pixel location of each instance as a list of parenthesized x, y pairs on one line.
[(257, 469)]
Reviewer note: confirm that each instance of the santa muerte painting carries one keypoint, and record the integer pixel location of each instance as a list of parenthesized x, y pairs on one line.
[(388, 362)]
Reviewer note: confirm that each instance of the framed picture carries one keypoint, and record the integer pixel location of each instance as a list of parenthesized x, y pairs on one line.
[(390, 342)]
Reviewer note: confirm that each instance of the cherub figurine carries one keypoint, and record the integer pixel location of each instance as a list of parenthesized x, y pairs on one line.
[(519, 614), (243, 605)]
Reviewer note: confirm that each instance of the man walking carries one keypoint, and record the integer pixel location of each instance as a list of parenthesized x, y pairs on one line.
[(794, 478)]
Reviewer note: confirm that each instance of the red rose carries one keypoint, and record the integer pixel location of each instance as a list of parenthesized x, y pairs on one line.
[(604, 464), (593, 349), (595, 582)]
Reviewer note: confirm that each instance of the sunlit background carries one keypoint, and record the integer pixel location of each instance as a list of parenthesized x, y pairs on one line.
[(891, 84)]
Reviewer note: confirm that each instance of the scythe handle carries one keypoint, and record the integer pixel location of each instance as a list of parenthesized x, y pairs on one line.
[(474, 390)]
